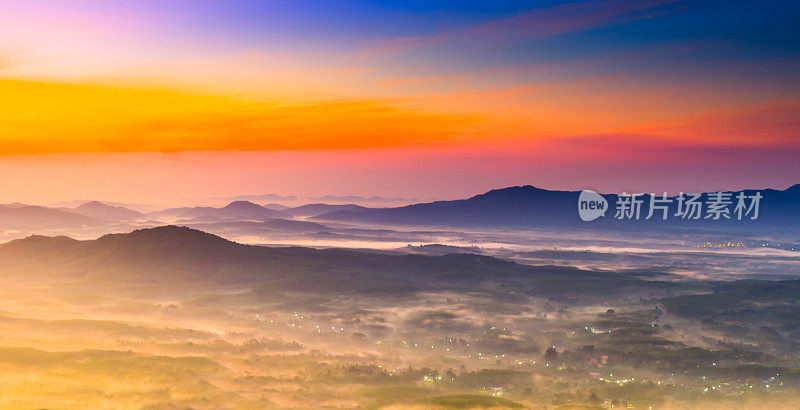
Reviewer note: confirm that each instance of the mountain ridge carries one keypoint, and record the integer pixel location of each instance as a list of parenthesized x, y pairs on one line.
[(103, 211), (34, 217), (235, 210), (529, 206)]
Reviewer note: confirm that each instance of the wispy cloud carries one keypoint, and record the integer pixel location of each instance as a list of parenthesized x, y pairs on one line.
[(572, 17), (540, 22)]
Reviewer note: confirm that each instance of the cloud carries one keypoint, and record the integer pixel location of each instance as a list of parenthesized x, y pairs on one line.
[(41, 117), (540, 22), (773, 123), (572, 17), (314, 126), (352, 70)]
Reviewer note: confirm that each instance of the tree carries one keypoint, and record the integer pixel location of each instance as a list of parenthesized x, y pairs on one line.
[(551, 353)]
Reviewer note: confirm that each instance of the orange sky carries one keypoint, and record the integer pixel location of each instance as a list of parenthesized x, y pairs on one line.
[(135, 102)]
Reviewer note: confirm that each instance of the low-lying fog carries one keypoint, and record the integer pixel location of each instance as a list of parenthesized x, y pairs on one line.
[(691, 254)]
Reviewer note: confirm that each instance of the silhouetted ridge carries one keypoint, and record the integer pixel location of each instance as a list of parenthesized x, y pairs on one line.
[(513, 193), (243, 205), (40, 243), (38, 217), (319, 209), (529, 206), (166, 236), (37, 249), (100, 210), (236, 210), (526, 195), (92, 204), (519, 205)]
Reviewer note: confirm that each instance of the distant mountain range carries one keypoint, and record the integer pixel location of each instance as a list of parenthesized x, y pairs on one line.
[(319, 209), (78, 202), (521, 206), (244, 210), (234, 211), (292, 200), (18, 216), (99, 210), (524, 206), (29, 217), (528, 206)]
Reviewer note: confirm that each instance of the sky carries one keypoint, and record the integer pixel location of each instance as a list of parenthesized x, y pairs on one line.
[(153, 101)]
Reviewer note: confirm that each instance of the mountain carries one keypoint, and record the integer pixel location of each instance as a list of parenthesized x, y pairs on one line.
[(528, 206), (524, 206), (99, 210), (78, 202), (234, 211), (183, 257), (246, 210), (27, 217), (319, 209)]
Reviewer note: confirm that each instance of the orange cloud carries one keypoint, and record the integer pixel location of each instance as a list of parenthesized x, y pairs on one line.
[(352, 70), (39, 117), (775, 123)]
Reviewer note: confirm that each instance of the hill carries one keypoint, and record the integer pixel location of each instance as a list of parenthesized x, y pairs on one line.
[(319, 209), (99, 210), (38, 217), (234, 211)]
